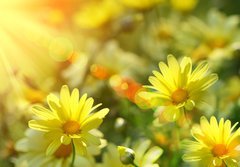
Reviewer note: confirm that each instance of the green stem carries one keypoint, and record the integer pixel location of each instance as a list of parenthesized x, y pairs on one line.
[(134, 164), (217, 107), (187, 119), (73, 155)]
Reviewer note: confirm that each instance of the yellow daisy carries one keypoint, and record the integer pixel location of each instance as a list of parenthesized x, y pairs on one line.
[(216, 144), (69, 119), (32, 152), (178, 86)]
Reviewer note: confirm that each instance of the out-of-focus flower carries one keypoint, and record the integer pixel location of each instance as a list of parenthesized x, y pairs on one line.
[(214, 39), (31, 90), (178, 87), (161, 138), (96, 14), (145, 155), (76, 67), (26, 91), (231, 92), (100, 72), (119, 62), (33, 147), (216, 145), (141, 4), (34, 95), (184, 5), (160, 36), (125, 87), (68, 120)]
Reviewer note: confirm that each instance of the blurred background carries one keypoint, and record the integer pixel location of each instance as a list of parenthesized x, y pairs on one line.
[(108, 49)]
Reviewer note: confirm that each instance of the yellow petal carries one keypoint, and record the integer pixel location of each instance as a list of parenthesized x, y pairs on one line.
[(74, 104), (52, 135), (80, 147), (227, 131), (233, 141), (91, 124), (95, 107), (214, 130), (55, 144), (91, 139), (200, 71), (231, 162), (160, 83), (45, 126), (94, 120), (65, 99), (152, 155), (166, 72), (186, 68), (152, 95), (86, 109), (80, 107), (171, 113), (203, 84), (186, 65), (76, 136), (197, 155), (175, 68), (141, 148), (206, 129), (208, 81), (191, 146), (43, 113), (100, 115), (54, 105)]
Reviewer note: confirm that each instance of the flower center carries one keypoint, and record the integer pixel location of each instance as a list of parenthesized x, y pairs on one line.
[(180, 95), (219, 150), (71, 127), (63, 151)]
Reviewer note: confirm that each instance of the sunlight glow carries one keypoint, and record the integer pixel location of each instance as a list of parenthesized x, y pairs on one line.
[(23, 33)]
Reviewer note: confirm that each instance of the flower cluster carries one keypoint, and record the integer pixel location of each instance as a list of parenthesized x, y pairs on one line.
[(119, 83), (216, 144), (178, 86)]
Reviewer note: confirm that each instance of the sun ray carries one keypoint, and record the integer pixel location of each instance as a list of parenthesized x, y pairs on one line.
[(23, 34)]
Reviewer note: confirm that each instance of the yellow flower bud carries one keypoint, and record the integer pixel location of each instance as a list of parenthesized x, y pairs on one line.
[(127, 155)]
